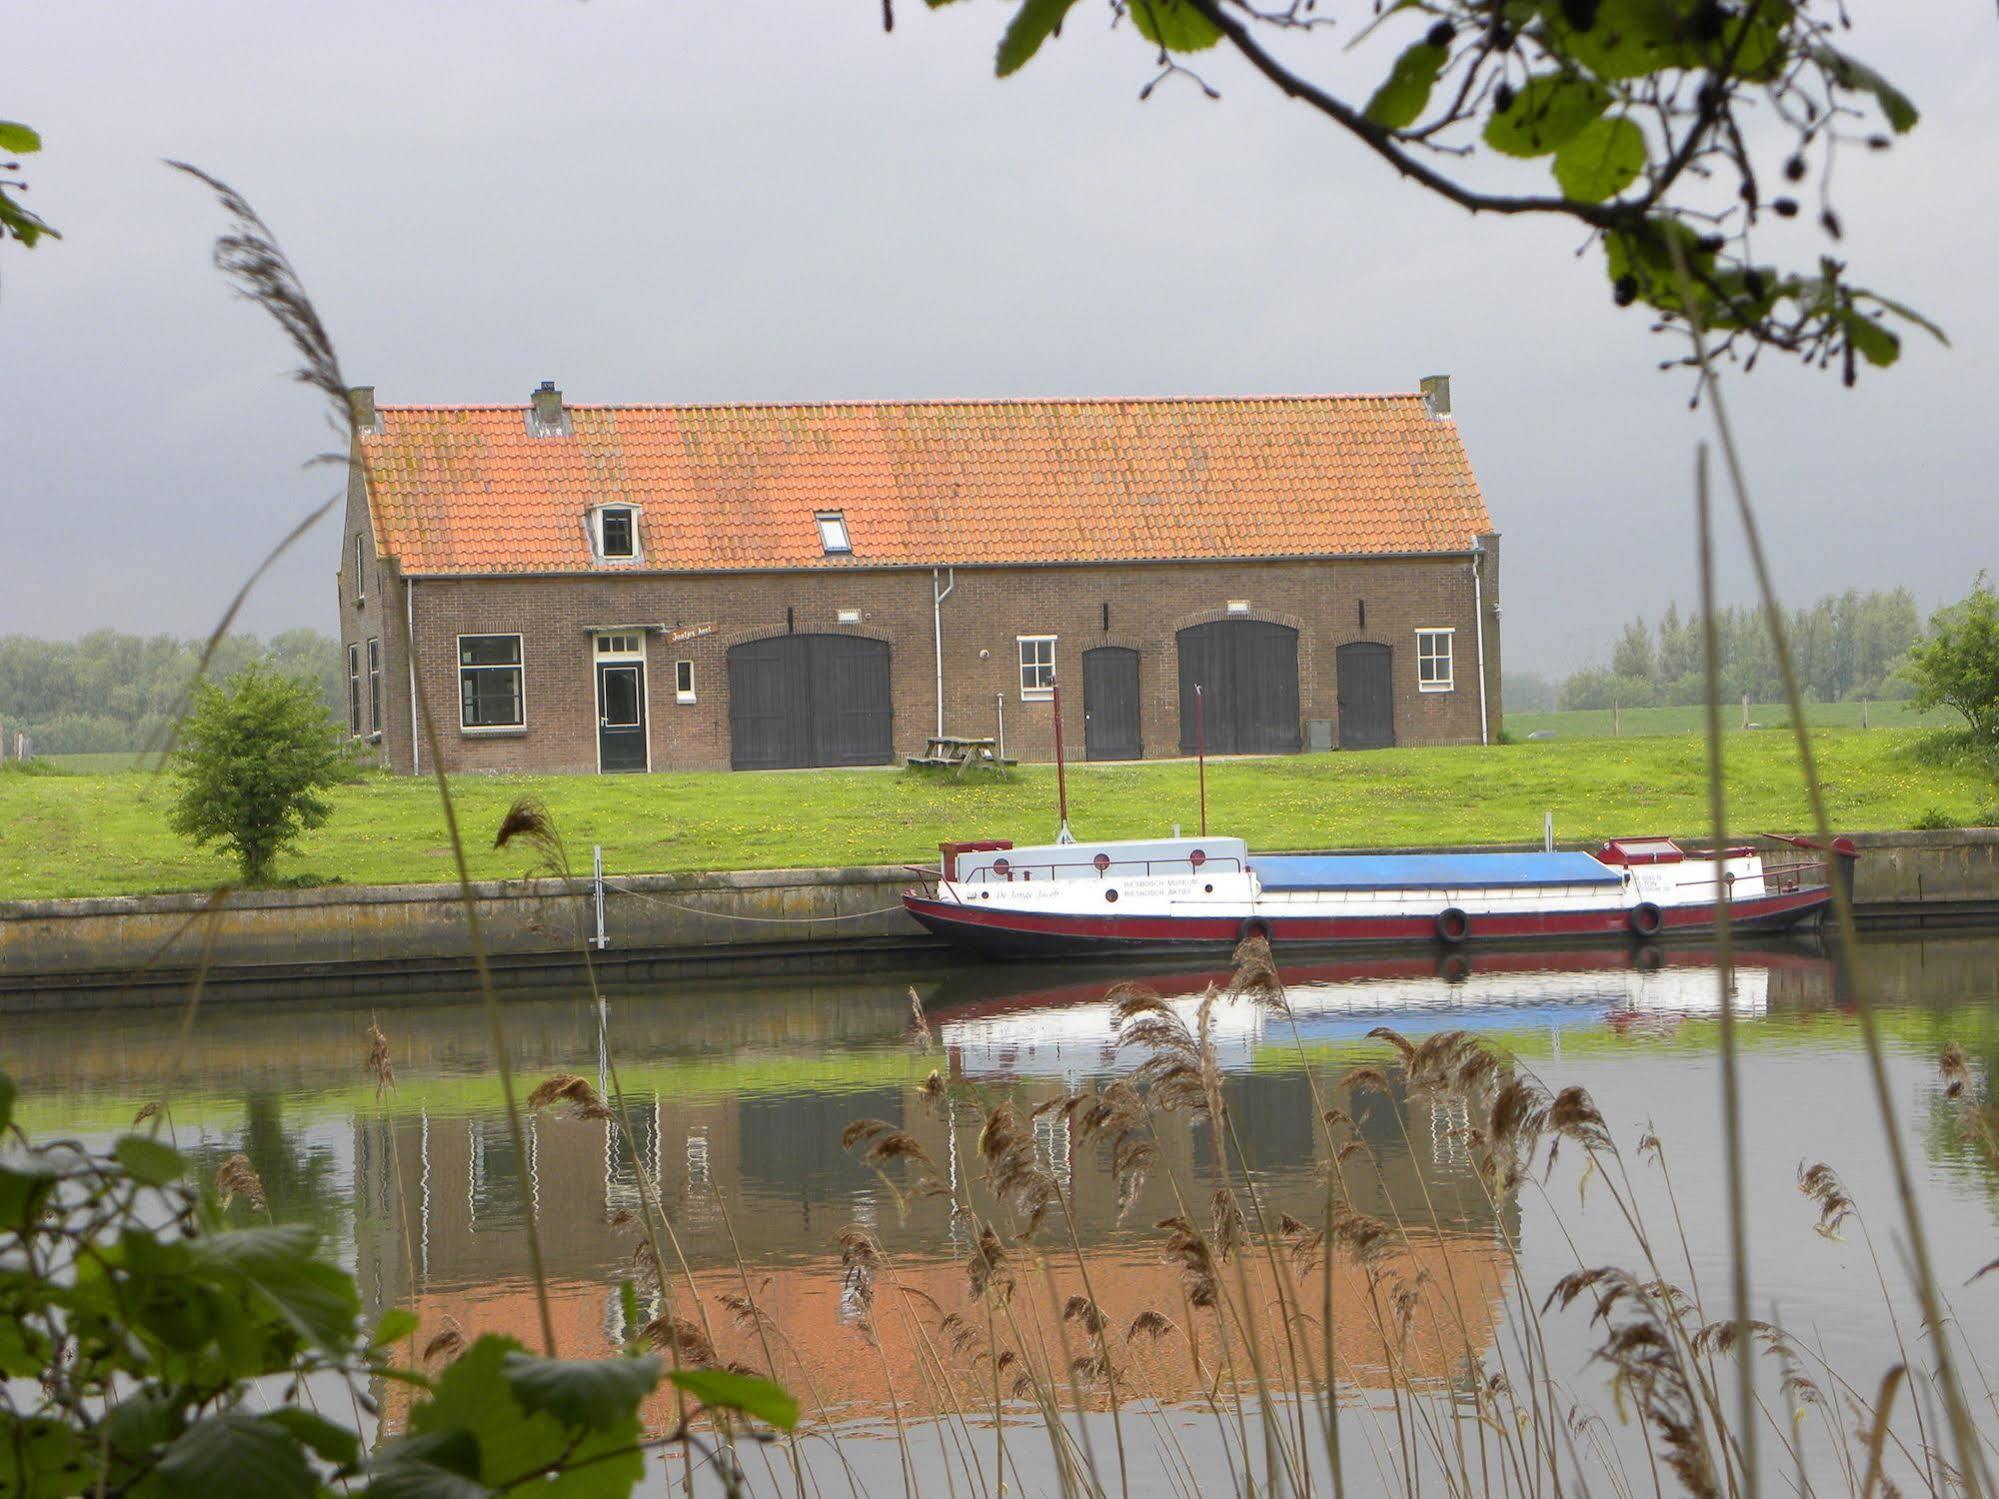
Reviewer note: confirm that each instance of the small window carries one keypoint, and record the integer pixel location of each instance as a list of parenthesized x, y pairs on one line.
[(833, 531), (1037, 666), (1433, 660), (683, 681), (354, 689), (616, 531), (489, 682), (1238, 606), (374, 687), (618, 645), (360, 570), (847, 616)]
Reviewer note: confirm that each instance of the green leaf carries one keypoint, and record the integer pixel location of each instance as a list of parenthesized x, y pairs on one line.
[(1876, 344), (438, 1465), (1174, 24), (474, 1396), (397, 1323), (1601, 160), (42, 1458), (147, 1161), (21, 140), (24, 1352), (139, 1423), (278, 1261), (22, 1187), (1551, 109), (333, 1443), (1851, 72), (236, 1453), (721, 1389), (586, 1392), (1032, 24), (1405, 93)]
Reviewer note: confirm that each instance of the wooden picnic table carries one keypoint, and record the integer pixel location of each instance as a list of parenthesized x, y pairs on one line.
[(954, 752)]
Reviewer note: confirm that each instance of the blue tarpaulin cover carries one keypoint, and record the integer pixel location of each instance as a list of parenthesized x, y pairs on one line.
[(1427, 871)]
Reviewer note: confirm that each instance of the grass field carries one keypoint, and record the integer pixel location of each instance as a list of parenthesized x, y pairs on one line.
[(1595, 723), (101, 834)]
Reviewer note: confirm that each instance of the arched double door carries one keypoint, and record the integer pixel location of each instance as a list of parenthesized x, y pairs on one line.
[(799, 700), (1247, 670)]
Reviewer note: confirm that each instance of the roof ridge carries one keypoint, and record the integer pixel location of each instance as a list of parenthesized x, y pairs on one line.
[(865, 403)]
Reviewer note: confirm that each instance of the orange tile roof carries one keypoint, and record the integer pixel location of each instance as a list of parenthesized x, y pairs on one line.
[(468, 490)]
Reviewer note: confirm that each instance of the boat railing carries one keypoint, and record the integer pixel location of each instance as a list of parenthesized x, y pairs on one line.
[(1103, 866)]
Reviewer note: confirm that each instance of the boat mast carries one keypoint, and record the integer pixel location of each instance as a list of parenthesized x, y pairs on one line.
[(1201, 752), (1062, 834)]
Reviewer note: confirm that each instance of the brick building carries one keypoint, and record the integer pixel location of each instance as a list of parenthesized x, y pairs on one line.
[(657, 587)]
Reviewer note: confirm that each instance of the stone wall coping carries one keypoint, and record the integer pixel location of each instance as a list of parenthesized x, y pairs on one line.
[(322, 896)]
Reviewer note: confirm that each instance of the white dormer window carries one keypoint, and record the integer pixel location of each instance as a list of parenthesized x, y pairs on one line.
[(833, 532), (614, 533)]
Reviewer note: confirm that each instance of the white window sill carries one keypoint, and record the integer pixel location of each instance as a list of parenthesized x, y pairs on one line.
[(685, 699), (493, 731), (1436, 687), (1037, 695)]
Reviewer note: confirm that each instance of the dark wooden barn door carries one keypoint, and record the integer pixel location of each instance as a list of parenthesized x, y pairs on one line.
[(798, 700), (621, 715), (1110, 704), (1248, 672), (1366, 696)]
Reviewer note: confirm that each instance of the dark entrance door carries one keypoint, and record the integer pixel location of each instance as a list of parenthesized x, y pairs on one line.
[(798, 700), (1110, 704), (1366, 695), (621, 715), (1247, 670)]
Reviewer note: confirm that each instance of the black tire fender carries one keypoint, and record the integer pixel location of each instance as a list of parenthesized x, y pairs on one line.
[(1647, 920), (1453, 926)]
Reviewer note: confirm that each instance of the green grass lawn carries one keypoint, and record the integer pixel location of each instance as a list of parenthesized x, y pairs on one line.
[(70, 834), (1594, 723)]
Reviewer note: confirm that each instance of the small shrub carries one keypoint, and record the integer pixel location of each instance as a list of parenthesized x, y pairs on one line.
[(253, 762), (1934, 820)]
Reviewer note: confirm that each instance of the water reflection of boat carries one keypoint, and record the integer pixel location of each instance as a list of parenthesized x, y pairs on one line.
[(1064, 1028)]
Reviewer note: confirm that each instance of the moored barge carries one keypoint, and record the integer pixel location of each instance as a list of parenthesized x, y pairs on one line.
[(1080, 898)]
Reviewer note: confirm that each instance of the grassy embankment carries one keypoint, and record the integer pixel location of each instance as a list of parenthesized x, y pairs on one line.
[(102, 834), (1595, 723)]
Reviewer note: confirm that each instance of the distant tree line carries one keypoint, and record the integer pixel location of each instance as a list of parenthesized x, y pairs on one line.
[(111, 692), (1847, 646)]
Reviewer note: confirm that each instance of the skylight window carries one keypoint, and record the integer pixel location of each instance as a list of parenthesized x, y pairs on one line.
[(833, 531)]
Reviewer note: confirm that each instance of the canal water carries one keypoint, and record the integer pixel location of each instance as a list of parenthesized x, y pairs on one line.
[(736, 1093)]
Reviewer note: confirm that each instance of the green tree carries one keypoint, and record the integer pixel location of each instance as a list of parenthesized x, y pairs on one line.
[(16, 222), (1957, 666), (254, 760), (1632, 655)]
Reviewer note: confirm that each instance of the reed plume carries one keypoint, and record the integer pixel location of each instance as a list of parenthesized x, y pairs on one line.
[(380, 1067), (577, 1093), (236, 1177)]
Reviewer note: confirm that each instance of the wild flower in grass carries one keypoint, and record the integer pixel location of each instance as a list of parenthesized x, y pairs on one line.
[(577, 1093), (236, 1177)]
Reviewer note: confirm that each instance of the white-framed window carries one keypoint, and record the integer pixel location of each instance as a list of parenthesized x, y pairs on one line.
[(626, 643), (1238, 607), (490, 694), (1433, 660), (847, 616), (1037, 667), (360, 569), (683, 681), (354, 688), (833, 536), (375, 687), (617, 531)]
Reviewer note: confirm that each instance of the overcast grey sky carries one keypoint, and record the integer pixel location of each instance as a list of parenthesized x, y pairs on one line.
[(654, 200)]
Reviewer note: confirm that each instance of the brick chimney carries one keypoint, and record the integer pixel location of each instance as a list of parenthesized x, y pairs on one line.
[(361, 407), (1437, 394), (546, 418)]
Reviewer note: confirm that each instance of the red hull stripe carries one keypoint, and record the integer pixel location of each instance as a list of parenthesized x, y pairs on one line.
[(951, 918)]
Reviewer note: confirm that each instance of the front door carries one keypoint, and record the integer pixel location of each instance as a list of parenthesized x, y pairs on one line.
[(1247, 671), (621, 715), (1366, 696), (1110, 704)]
